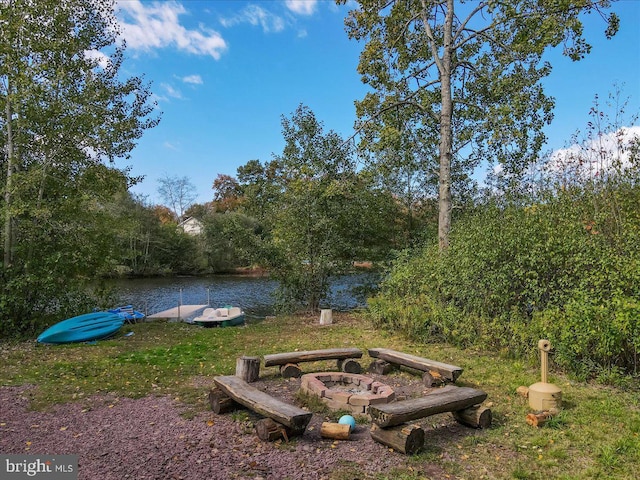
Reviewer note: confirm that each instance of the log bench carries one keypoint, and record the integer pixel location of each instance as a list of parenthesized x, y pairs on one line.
[(282, 419), (288, 362), (389, 420), (433, 371)]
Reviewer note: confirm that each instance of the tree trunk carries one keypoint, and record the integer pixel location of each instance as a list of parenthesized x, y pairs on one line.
[(446, 134), (407, 439), (8, 219)]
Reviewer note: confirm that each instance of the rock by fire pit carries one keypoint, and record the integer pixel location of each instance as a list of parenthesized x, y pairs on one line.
[(347, 391)]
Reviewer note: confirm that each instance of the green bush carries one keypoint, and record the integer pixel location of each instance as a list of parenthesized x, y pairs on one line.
[(566, 268)]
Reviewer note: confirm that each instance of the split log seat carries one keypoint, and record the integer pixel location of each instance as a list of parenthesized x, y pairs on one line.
[(288, 362), (390, 429), (432, 370), (447, 399), (293, 419)]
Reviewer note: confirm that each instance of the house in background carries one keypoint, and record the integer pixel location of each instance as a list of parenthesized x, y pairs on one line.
[(191, 226)]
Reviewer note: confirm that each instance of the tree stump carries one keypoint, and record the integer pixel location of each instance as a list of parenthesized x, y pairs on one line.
[(408, 439), (380, 367), (476, 416), (248, 368), (269, 431), (349, 365), (326, 317), (221, 403), (336, 431), (290, 370)]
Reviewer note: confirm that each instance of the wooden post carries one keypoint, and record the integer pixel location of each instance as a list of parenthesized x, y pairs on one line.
[(408, 439), (290, 370), (270, 431), (476, 416), (220, 402), (349, 365), (380, 367), (326, 317), (336, 431), (248, 368)]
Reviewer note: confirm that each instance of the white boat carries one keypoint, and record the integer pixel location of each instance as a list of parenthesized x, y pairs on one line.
[(220, 317)]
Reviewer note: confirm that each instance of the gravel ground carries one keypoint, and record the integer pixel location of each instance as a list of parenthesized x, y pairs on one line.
[(149, 438)]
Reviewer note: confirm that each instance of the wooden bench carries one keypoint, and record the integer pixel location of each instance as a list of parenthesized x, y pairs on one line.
[(285, 419), (433, 371), (389, 420), (288, 362)]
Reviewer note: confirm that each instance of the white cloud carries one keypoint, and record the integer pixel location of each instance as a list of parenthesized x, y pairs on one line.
[(256, 15), (172, 92), (170, 146), (157, 25), (102, 59), (193, 79), (302, 7), (597, 156)]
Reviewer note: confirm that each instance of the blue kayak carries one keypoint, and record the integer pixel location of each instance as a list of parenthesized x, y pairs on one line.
[(83, 328)]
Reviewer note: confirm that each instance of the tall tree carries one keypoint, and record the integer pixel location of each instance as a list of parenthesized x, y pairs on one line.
[(178, 192), (466, 73), (318, 214), (67, 113)]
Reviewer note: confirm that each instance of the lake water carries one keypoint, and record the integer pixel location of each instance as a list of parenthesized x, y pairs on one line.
[(253, 294)]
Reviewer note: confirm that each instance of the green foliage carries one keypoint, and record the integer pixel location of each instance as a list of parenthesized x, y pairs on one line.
[(316, 213), (65, 113), (460, 83), (515, 274)]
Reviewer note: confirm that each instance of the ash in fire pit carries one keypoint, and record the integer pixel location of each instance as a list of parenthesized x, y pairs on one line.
[(347, 391)]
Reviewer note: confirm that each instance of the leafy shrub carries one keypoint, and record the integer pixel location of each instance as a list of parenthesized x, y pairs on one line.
[(565, 268)]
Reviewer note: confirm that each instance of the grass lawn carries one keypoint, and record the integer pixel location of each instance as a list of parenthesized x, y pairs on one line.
[(596, 435)]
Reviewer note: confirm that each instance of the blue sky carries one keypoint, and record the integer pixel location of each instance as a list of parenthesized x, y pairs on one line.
[(224, 72)]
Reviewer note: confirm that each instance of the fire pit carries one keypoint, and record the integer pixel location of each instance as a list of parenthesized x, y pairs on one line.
[(347, 391)]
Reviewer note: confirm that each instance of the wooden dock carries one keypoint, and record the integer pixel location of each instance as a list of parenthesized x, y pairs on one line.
[(181, 311)]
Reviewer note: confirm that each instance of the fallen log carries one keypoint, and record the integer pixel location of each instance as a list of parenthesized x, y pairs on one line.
[(447, 400), (408, 439), (476, 416), (260, 402), (449, 372), (336, 431)]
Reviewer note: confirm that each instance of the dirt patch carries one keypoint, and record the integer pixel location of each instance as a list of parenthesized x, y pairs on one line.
[(149, 438)]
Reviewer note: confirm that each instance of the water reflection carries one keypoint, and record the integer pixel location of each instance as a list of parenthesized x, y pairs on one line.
[(253, 294)]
